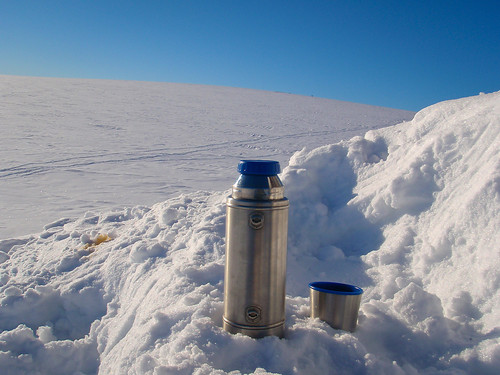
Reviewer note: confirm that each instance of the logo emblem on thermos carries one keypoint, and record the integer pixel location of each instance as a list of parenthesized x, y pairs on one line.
[(256, 220), (253, 314)]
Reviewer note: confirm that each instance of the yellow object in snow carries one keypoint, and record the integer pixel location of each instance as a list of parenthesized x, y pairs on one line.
[(98, 240)]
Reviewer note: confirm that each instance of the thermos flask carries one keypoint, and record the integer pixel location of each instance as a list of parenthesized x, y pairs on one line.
[(256, 247)]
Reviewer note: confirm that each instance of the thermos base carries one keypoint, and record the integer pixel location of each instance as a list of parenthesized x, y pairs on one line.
[(255, 332)]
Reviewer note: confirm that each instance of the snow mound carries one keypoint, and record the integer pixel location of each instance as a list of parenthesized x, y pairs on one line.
[(410, 213)]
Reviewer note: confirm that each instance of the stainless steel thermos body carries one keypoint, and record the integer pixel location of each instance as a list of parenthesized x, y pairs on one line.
[(256, 247)]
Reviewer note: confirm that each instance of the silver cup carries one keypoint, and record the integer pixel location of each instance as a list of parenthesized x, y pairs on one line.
[(335, 303)]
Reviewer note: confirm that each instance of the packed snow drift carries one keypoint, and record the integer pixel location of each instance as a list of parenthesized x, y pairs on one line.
[(410, 213)]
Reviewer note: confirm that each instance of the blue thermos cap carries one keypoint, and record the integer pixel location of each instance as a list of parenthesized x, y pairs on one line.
[(259, 167)]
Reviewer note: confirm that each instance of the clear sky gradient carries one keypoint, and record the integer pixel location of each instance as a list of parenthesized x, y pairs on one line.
[(399, 54)]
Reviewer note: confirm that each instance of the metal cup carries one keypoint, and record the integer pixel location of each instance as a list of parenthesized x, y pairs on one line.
[(335, 303)]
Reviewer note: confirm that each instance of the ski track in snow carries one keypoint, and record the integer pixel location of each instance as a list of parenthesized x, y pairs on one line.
[(171, 154)]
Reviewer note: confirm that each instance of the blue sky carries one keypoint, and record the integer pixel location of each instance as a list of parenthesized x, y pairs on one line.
[(399, 54)]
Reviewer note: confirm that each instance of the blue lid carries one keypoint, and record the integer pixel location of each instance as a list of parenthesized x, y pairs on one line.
[(335, 288), (259, 167)]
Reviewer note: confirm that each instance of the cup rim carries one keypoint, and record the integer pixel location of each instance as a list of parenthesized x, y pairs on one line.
[(335, 288)]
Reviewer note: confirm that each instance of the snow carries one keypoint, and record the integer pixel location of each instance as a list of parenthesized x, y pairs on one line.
[(408, 212), (72, 145)]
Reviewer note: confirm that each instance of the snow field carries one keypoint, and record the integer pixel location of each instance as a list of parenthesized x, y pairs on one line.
[(410, 213), (72, 145)]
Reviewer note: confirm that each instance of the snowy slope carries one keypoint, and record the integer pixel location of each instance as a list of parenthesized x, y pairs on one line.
[(72, 145), (410, 213)]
